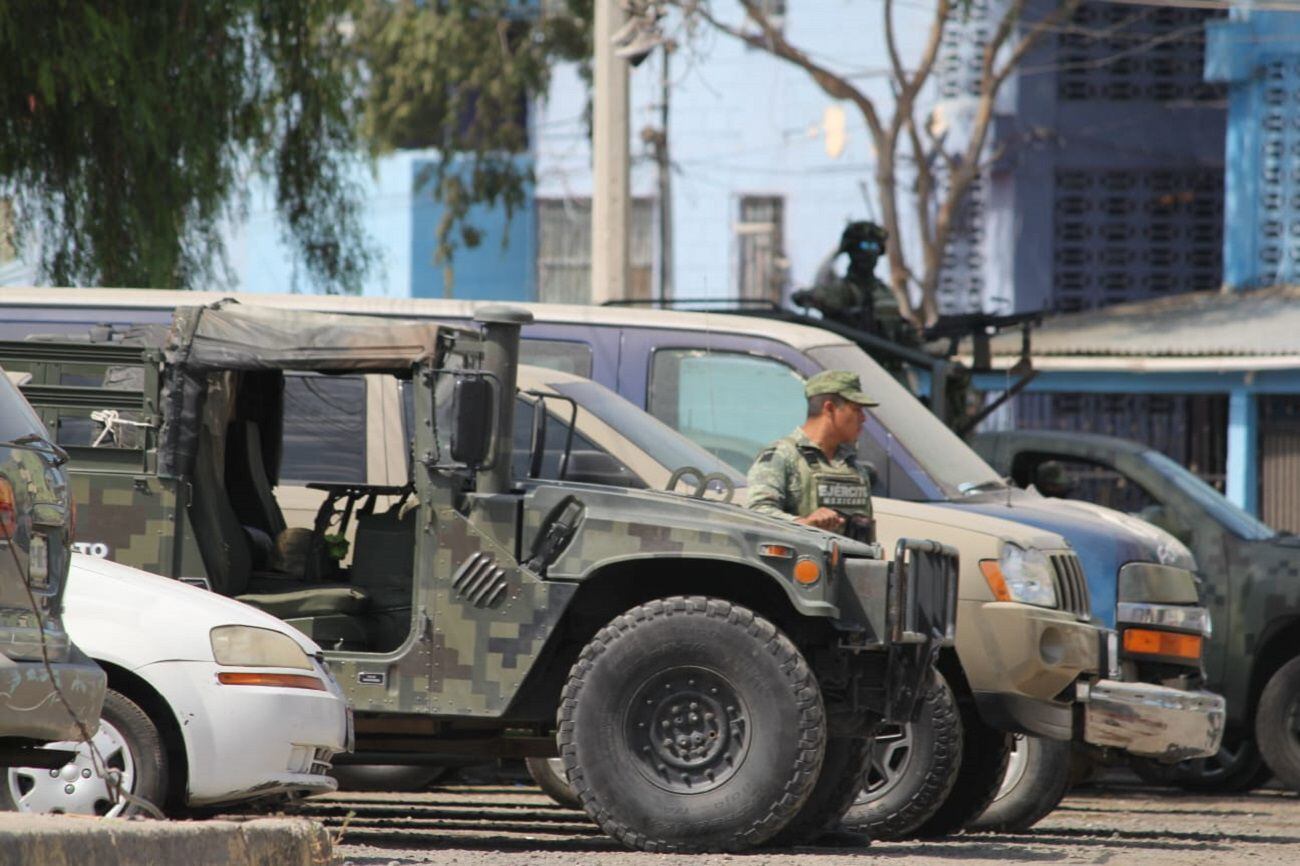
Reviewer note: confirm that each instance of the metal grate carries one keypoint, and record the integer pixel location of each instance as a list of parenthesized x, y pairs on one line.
[(1279, 462), (1192, 430), (1115, 52), (564, 249), (1071, 585), (480, 581), (1279, 195), (1132, 234)]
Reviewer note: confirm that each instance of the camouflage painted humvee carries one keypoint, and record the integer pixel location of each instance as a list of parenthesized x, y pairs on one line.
[(710, 677)]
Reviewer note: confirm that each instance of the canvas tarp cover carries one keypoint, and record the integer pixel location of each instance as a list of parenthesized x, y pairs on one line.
[(230, 337)]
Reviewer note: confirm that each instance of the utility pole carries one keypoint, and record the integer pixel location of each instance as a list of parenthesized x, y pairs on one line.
[(610, 157), (665, 182)]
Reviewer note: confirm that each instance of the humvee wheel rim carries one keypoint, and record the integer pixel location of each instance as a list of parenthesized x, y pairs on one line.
[(687, 729), (890, 758), (75, 788)]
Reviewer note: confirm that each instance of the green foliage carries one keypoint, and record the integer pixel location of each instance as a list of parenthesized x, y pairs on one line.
[(129, 131), (458, 75)]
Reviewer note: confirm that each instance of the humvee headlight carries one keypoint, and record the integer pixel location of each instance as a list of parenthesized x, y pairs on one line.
[(249, 647), (1020, 575)]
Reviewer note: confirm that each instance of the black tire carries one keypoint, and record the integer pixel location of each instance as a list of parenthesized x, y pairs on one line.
[(846, 763), (1277, 724), (913, 770), (742, 716), (548, 773), (1036, 780), (128, 741), (984, 762), (1236, 768), (382, 777)]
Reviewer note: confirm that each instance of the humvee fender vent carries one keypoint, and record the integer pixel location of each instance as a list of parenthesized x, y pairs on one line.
[(480, 581)]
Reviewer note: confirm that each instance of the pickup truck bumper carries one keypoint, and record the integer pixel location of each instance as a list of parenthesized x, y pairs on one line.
[(1152, 721)]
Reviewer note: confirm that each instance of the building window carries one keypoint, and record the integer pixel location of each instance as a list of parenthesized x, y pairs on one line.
[(762, 268), (564, 250)]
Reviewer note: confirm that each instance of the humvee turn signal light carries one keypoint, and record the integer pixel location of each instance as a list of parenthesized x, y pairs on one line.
[(284, 681), (1162, 643), (807, 571)]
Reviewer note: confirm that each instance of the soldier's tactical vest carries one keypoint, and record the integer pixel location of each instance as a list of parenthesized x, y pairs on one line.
[(822, 485)]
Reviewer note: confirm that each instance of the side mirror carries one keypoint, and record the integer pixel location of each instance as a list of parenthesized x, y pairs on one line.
[(471, 432)]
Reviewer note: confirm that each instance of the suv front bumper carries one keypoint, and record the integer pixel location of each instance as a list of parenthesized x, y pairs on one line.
[(1152, 721)]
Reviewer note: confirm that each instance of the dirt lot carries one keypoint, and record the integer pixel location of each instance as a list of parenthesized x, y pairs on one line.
[(1117, 823)]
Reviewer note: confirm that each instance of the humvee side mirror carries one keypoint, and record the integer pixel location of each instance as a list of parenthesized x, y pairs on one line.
[(471, 432)]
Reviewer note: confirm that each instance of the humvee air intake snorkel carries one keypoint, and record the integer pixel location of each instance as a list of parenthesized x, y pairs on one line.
[(501, 326)]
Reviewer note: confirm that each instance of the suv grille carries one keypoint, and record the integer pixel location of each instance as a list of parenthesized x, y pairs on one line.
[(1071, 585)]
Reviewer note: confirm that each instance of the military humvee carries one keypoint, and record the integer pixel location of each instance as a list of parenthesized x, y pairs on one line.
[(710, 677)]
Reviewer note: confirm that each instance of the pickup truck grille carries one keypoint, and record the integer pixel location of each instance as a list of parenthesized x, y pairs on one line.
[(1071, 585)]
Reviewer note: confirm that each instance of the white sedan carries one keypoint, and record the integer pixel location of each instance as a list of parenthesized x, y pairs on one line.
[(210, 701)]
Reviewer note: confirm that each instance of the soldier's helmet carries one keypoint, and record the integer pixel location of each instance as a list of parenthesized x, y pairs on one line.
[(862, 237)]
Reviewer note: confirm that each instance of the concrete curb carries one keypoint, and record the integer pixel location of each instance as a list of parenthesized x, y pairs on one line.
[(68, 840)]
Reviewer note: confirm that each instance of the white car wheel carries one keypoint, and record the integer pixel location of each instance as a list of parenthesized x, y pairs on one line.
[(130, 747)]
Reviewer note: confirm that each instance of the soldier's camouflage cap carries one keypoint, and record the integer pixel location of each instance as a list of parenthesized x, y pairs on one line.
[(841, 383)]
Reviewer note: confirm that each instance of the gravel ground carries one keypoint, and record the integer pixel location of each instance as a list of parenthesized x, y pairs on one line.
[(513, 826)]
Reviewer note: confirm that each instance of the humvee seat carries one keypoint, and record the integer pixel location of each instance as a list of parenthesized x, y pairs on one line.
[(225, 552), (247, 481)]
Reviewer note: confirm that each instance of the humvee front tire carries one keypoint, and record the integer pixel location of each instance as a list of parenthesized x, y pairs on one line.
[(846, 763), (690, 724)]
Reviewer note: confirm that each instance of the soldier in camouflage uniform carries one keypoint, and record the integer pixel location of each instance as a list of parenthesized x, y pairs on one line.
[(812, 476)]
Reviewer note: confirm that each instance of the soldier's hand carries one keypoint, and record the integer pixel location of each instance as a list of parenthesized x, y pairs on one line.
[(823, 518)]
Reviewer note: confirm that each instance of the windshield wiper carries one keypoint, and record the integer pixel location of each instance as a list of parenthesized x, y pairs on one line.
[(60, 456), (969, 488)]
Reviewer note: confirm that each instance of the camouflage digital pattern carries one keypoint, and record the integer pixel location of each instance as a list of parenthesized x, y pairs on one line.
[(792, 478)]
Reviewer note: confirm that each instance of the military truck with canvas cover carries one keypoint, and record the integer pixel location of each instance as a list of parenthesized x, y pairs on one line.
[(709, 676)]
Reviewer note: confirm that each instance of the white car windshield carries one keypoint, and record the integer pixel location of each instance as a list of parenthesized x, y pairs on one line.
[(950, 463)]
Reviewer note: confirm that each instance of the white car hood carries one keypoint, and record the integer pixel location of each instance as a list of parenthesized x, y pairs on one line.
[(129, 617)]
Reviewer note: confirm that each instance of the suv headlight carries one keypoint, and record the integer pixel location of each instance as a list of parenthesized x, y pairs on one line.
[(1021, 575), (250, 647)]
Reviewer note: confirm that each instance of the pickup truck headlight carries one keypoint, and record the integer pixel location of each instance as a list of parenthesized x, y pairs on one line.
[(1021, 575), (250, 647)]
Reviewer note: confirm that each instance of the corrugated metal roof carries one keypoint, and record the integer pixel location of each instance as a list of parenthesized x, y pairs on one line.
[(1262, 322)]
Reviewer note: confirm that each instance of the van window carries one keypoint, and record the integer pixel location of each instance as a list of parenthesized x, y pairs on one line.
[(324, 436), (731, 403), (562, 355)]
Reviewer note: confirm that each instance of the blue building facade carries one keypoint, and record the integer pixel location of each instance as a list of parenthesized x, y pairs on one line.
[(401, 217)]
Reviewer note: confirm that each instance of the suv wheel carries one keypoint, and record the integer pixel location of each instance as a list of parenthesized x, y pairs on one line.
[(129, 744), (913, 768), (548, 773), (691, 724), (1236, 768), (847, 760), (1035, 782)]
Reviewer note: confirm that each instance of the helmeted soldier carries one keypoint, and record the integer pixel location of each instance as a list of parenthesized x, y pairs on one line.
[(813, 476)]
